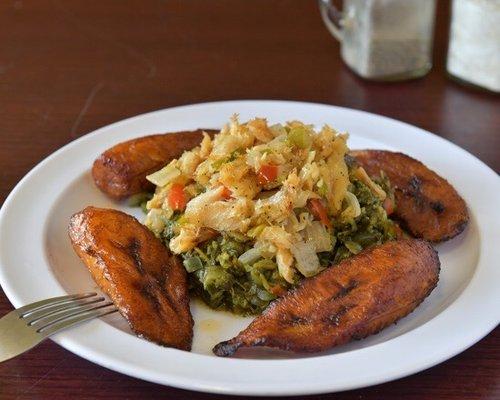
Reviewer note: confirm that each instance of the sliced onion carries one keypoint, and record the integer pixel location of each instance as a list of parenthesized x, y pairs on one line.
[(155, 220), (250, 256), (277, 130), (317, 234), (353, 209), (306, 260), (353, 247), (374, 188), (164, 176)]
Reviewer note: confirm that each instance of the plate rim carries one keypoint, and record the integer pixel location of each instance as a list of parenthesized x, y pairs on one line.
[(66, 341)]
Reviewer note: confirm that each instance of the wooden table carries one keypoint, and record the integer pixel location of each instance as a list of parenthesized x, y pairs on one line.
[(69, 67)]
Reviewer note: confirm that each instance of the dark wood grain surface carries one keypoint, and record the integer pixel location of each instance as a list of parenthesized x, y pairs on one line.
[(69, 67)]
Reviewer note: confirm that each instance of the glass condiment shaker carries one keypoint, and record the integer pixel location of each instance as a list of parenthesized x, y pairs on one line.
[(474, 49), (383, 39)]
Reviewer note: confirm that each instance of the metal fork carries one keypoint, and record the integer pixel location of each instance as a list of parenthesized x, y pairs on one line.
[(25, 327)]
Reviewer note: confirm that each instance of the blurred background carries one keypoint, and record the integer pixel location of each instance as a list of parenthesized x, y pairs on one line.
[(70, 67)]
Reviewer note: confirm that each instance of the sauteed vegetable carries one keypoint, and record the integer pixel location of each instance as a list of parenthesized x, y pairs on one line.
[(258, 208)]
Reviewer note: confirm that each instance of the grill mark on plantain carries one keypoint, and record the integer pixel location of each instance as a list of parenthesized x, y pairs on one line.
[(89, 251), (148, 291), (296, 320), (345, 290), (414, 191), (133, 249), (414, 184), (334, 319), (437, 206)]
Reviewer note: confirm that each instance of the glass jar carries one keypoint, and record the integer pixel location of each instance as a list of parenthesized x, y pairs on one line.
[(383, 39), (474, 49)]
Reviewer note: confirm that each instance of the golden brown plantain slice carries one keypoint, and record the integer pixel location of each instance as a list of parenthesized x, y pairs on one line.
[(121, 170), (427, 205), (358, 297), (145, 281)]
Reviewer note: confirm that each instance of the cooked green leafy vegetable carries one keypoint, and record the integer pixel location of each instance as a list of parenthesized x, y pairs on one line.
[(227, 272), (223, 282)]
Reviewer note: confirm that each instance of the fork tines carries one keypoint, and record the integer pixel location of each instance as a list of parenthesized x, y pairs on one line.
[(51, 315)]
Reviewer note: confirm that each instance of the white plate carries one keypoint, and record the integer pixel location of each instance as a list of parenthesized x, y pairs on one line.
[(36, 262)]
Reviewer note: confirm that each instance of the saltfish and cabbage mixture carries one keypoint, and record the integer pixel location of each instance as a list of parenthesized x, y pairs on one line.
[(258, 207)]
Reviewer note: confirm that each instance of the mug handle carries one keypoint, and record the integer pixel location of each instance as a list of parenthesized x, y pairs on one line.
[(332, 17)]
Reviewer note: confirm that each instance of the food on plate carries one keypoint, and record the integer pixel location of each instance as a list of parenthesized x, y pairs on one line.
[(258, 208), (121, 170), (359, 297), (277, 219), (144, 280), (428, 206)]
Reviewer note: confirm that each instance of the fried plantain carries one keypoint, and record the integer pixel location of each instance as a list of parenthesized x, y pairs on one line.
[(143, 279), (426, 204), (358, 297), (121, 170)]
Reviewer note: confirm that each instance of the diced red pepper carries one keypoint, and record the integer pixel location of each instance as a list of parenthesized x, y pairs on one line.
[(177, 198), (267, 174), (318, 210), (388, 205), (226, 193)]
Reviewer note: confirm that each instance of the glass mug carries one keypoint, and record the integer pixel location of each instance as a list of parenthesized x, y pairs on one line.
[(383, 39)]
